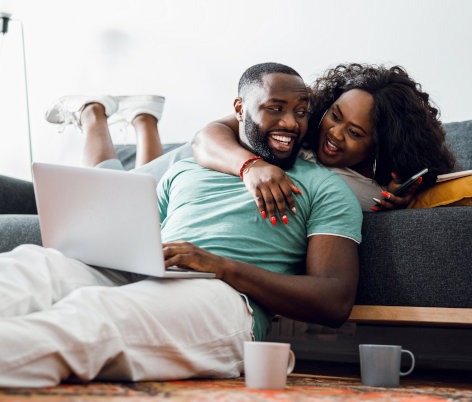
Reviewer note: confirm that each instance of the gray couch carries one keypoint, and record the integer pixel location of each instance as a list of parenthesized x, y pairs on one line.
[(419, 257)]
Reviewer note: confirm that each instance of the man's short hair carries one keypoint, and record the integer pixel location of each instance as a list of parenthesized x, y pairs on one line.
[(253, 75)]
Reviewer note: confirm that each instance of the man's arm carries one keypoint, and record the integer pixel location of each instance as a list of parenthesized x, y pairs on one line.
[(325, 294)]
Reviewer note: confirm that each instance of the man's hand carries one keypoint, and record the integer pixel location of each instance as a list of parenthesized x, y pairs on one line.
[(187, 255), (324, 294)]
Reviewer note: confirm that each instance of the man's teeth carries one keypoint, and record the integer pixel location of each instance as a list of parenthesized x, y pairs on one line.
[(282, 138), (331, 146)]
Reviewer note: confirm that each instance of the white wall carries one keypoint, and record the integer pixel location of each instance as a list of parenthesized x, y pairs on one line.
[(193, 52)]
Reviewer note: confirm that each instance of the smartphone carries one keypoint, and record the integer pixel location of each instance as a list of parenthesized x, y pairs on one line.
[(409, 182)]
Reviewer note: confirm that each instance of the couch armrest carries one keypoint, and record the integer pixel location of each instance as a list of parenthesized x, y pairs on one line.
[(16, 196), (416, 257), (18, 229)]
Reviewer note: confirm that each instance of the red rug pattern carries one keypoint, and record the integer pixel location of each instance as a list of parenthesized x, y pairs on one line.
[(300, 387)]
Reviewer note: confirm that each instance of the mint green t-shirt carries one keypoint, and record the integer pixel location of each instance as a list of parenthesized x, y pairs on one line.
[(214, 211)]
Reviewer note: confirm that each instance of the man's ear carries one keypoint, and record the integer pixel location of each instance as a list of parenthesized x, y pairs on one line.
[(238, 108)]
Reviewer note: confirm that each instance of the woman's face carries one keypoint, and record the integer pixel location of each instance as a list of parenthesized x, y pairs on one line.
[(346, 130)]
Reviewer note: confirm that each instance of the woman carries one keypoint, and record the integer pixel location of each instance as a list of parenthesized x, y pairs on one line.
[(373, 125)]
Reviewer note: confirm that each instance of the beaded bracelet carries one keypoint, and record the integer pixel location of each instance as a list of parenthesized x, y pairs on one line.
[(244, 167)]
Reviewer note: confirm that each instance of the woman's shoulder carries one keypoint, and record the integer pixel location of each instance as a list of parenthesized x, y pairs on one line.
[(363, 187), (307, 154)]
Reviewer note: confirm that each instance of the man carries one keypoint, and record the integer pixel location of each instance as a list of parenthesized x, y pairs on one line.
[(63, 318)]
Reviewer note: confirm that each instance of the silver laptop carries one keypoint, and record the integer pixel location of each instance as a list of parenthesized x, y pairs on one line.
[(105, 218)]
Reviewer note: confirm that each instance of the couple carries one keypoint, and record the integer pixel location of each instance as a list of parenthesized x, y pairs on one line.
[(62, 318), (369, 124)]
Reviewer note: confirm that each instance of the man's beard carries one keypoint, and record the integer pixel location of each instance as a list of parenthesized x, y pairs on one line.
[(259, 143)]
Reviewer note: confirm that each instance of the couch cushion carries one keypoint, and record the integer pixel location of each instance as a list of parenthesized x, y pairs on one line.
[(416, 257)]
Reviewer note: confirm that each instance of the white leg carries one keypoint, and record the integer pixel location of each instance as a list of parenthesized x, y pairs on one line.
[(33, 278), (148, 330)]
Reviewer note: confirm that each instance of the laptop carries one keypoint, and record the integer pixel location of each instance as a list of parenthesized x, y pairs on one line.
[(104, 218)]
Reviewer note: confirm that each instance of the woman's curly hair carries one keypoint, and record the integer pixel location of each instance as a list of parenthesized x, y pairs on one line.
[(408, 135)]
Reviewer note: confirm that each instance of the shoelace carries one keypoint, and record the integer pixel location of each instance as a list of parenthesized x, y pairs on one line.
[(71, 119)]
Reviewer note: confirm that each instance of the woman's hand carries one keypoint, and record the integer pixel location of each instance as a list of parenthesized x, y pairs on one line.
[(271, 189), (186, 255), (396, 201)]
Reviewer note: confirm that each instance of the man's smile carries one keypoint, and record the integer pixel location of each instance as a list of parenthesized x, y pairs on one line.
[(281, 141), (281, 138)]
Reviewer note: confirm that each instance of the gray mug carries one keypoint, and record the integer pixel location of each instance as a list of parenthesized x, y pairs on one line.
[(380, 365)]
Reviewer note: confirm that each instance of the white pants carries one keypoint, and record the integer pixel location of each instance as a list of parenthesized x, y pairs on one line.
[(61, 318)]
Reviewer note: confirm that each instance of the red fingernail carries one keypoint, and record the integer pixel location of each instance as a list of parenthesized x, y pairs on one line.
[(420, 180), (374, 209), (298, 191), (385, 194), (285, 219), (264, 215), (273, 220), (394, 174)]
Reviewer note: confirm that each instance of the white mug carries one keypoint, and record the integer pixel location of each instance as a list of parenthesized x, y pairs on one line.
[(380, 365), (266, 364)]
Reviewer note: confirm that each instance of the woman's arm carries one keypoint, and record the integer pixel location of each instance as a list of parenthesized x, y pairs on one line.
[(391, 201), (216, 147)]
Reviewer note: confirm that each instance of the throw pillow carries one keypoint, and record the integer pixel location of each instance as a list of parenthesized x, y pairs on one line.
[(455, 192)]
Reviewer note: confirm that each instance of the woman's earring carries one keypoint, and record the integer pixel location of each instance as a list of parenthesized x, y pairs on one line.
[(374, 167), (322, 117)]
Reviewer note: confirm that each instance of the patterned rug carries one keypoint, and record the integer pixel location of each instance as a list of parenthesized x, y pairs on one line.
[(300, 387)]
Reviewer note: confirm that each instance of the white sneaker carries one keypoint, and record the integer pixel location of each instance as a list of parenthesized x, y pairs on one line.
[(67, 109), (134, 105)]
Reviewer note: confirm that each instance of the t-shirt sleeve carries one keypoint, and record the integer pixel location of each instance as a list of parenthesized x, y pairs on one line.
[(335, 210), (167, 183), (163, 192)]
